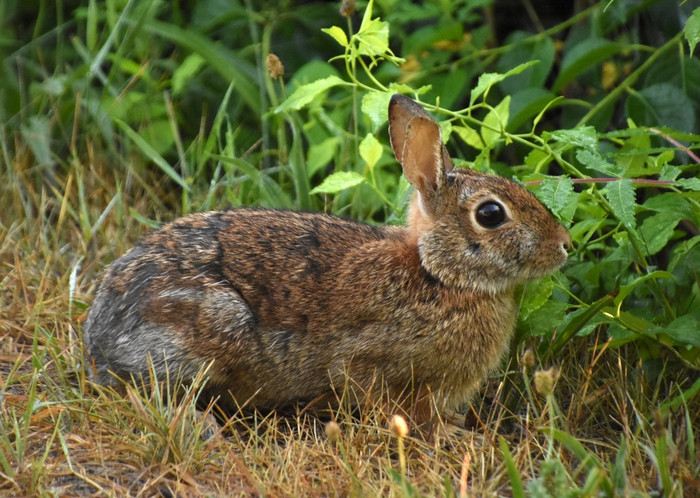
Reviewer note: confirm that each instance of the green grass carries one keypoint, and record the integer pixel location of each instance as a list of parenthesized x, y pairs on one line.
[(119, 116)]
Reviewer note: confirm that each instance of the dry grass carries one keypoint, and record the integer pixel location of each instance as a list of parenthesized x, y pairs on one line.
[(59, 435)]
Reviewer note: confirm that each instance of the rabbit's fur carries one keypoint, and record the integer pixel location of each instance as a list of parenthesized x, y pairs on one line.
[(285, 305)]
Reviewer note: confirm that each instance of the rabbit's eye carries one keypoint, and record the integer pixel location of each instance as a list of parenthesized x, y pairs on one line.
[(490, 214)]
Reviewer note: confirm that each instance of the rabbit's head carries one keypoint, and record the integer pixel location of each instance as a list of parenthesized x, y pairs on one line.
[(475, 231)]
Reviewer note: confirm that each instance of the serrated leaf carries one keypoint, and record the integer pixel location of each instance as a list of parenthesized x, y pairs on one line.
[(375, 105), (470, 136), (535, 295), (306, 93), (593, 159), (689, 183), (692, 30), (339, 181), (584, 137), (338, 35), (556, 194), (496, 118), (370, 150), (620, 195), (487, 80)]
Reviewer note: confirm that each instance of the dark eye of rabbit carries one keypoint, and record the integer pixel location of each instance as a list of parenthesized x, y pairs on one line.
[(490, 214)]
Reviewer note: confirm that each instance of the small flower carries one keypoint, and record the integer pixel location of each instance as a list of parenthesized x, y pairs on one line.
[(347, 8), (398, 426), (274, 66), (528, 359), (545, 380), (332, 431)]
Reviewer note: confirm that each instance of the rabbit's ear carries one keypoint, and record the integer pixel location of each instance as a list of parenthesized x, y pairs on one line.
[(417, 142)]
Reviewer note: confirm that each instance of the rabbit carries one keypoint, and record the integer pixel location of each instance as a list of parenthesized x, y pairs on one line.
[(284, 306)]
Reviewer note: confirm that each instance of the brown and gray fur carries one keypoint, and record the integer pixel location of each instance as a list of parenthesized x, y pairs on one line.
[(285, 305)]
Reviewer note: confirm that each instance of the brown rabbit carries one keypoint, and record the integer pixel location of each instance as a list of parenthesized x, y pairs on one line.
[(285, 305)]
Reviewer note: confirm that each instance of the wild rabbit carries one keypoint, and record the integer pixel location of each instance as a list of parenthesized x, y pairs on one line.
[(287, 305)]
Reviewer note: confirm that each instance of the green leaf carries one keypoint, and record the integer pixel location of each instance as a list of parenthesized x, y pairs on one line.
[(556, 194), (526, 104), (535, 295), (338, 181), (625, 290), (370, 150), (692, 29), (186, 71), (306, 93), (321, 154), (583, 56), (584, 137), (496, 118), (338, 35), (620, 195), (593, 160), (684, 330), (375, 105), (470, 136), (689, 183), (658, 229), (662, 104), (487, 80)]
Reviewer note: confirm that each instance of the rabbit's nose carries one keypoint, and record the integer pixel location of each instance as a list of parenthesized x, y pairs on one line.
[(566, 242)]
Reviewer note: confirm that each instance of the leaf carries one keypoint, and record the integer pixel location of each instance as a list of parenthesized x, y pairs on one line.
[(620, 195), (584, 137), (370, 150), (689, 183), (535, 295), (584, 55), (662, 104), (321, 154), (625, 290), (556, 194), (375, 105), (496, 118), (526, 104), (470, 136), (527, 48), (338, 181), (684, 330), (306, 93), (593, 160), (692, 30), (658, 229), (186, 71), (338, 35), (487, 80)]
